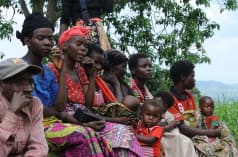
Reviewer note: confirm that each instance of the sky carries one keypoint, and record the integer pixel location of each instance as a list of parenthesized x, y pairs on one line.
[(221, 48)]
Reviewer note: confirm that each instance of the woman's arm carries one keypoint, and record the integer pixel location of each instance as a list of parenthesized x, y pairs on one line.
[(173, 124), (114, 84), (189, 131), (57, 59), (89, 90)]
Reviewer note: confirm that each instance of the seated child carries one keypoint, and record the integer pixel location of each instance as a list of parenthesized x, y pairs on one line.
[(208, 120), (147, 131), (168, 122)]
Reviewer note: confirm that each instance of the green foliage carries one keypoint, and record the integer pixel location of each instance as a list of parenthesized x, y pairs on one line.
[(166, 30), (5, 27), (228, 113)]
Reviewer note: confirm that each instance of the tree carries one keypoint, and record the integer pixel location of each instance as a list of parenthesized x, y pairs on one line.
[(166, 30)]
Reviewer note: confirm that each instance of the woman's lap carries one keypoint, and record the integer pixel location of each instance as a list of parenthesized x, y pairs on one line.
[(122, 140), (74, 140)]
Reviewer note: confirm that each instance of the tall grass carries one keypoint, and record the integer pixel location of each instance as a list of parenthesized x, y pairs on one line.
[(228, 113)]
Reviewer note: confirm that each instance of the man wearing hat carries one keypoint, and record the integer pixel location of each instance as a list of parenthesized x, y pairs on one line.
[(21, 114)]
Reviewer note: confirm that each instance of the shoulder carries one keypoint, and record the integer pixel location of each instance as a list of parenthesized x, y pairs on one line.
[(156, 131), (36, 105)]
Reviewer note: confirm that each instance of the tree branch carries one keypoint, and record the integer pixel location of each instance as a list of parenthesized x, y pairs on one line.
[(24, 8)]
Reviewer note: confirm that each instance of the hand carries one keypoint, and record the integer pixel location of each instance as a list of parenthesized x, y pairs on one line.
[(126, 120), (131, 129), (96, 125), (20, 100), (57, 58), (89, 66), (111, 78)]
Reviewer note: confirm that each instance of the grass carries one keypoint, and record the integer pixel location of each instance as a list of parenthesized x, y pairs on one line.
[(228, 113)]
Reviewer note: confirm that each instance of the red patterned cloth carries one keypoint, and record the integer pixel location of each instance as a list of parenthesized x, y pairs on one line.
[(74, 89), (74, 31)]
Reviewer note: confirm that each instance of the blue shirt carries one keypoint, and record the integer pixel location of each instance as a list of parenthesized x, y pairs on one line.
[(45, 86)]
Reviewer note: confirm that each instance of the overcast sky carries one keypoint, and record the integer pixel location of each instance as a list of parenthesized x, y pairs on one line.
[(222, 48)]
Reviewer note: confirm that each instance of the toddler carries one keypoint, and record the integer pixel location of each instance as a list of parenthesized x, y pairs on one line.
[(208, 120), (147, 130), (168, 122)]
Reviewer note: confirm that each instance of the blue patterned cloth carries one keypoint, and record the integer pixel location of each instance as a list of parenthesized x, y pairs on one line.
[(45, 86)]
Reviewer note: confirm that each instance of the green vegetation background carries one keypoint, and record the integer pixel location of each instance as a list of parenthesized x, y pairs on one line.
[(228, 113)]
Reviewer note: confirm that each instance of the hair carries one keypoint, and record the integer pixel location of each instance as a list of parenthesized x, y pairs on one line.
[(201, 100), (180, 68), (93, 48), (113, 57), (134, 58), (154, 102), (166, 97), (33, 21)]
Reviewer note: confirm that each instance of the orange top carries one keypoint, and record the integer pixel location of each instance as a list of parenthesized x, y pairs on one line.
[(155, 131), (181, 105)]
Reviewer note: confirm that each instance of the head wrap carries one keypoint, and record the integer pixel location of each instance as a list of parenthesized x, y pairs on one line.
[(33, 21), (74, 31)]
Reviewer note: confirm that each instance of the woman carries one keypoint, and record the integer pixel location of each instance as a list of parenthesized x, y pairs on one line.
[(114, 73), (185, 111), (141, 71), (116, 131), (67, 139)]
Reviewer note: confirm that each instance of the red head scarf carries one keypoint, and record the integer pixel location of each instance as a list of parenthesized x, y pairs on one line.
[(74, 31)]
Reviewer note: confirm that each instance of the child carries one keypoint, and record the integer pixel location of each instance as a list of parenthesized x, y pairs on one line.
[(168, 121), (208, 120), (147, 131)]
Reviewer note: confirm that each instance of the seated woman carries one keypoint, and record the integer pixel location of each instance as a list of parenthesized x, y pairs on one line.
[(68, 139), (185, 111), (117, 115), (114, 73), (141, 71)]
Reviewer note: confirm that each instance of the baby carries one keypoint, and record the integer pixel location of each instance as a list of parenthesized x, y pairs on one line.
[(131, 102), (208, 120), (147, 130)]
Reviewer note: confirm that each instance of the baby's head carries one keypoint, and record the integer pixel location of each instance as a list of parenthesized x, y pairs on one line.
[(167, 99), (131, 102), (151, 112), (206, 105)]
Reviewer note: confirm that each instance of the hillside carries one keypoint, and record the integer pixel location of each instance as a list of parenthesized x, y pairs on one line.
[(219, 91)]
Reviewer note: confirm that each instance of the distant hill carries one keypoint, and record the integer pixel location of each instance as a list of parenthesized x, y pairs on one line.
[(219, 91)]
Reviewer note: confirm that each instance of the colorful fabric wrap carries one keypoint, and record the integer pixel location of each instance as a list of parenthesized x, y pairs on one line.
[(70, 140)]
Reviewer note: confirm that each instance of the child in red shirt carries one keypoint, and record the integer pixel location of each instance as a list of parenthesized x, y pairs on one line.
[(148, 132), (208, 120)]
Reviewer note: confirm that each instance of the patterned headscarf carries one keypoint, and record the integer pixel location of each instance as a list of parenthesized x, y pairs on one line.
[(74, 31)]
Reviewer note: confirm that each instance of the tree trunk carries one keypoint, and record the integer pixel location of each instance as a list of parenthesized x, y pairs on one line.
[(37, 6), (51, 13), (24, 7)]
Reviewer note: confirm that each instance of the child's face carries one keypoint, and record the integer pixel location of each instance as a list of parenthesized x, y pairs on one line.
[(151, 115), (207, 107)]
